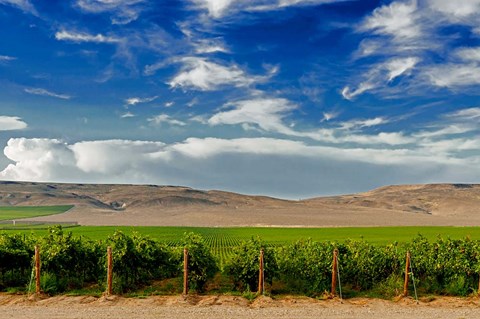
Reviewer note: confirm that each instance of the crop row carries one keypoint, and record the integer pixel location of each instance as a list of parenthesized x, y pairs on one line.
[(444, 266)]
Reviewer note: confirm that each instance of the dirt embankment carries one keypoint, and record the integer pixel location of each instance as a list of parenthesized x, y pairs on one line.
[(203, 307)]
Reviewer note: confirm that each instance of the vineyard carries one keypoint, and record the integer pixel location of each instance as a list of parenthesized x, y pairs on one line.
[(227, 263)]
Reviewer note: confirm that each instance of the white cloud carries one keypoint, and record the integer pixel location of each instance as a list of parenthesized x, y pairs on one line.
[(469, 54), (357, 124), (127, 115), (210, 46), (113, 156), (201, 74), (10, 123), (207, 163), (24, 5), (150, 69), (78, 37), (220, 8), (453, 75), (169, 104), (381, 74), (451, 129), (164, 118), (457, 10), (123, 11), (327, 116), (398, 20), (267, 113), (412, 27), (37, 159), (397, 67), (43, 92), (363, 87), (6, 58), (469, 114), (136, 100)]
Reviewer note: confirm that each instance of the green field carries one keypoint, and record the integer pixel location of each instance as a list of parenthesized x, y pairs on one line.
[(223, 240), (376, 235), (19, 212)]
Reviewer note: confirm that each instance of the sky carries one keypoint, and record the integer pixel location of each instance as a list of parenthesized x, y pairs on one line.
[(286, 98)]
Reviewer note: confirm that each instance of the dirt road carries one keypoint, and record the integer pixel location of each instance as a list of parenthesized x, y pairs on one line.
[(232, 307)]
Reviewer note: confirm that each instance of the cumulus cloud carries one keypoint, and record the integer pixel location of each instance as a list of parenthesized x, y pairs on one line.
[(74, 36), (40, 91), (207, 162), (122, 11), (164, 118), (9, 123), (200, 74)]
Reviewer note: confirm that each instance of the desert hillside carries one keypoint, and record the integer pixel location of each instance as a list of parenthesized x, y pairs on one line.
[(436, 204)]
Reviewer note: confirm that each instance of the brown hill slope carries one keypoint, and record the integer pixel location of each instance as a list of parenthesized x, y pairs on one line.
[(437, 204)]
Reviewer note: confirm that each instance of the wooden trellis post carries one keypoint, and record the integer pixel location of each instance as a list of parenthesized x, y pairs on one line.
[(185, 271), (261, 278), (37, 269), (109, 271), (333, 291), (405, 283)]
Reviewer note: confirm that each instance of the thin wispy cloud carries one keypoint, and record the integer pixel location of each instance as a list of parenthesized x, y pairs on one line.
[(6, 58), (138, 100), (78, 37), (24, 5), (220, 8), (127, 115), (165, 119), (380, 75), (122, 11), (44, 92)]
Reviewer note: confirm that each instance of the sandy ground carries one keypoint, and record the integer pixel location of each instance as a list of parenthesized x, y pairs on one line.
[(176, 307)]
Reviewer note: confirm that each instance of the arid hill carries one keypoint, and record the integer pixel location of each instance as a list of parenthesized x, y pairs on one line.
[(436, 204)]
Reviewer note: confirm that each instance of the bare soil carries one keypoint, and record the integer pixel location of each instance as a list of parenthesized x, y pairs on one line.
[(176, 307)]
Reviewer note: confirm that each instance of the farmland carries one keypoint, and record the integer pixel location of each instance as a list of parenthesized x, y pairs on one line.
[(19, 212), (222, 240), (277, 235)]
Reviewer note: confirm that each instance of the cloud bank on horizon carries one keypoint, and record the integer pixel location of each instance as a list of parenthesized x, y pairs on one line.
[(290, 98)]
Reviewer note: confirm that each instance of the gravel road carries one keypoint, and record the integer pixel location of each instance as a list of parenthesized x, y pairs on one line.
[(176, 307)]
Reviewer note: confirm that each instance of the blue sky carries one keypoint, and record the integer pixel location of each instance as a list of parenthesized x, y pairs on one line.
[(289, 98)]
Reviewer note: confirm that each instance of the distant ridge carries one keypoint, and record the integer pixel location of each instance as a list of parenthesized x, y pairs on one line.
[(98, 204)]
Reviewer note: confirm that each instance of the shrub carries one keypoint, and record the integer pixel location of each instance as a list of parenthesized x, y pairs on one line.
[(244, 266), (202, 266)]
